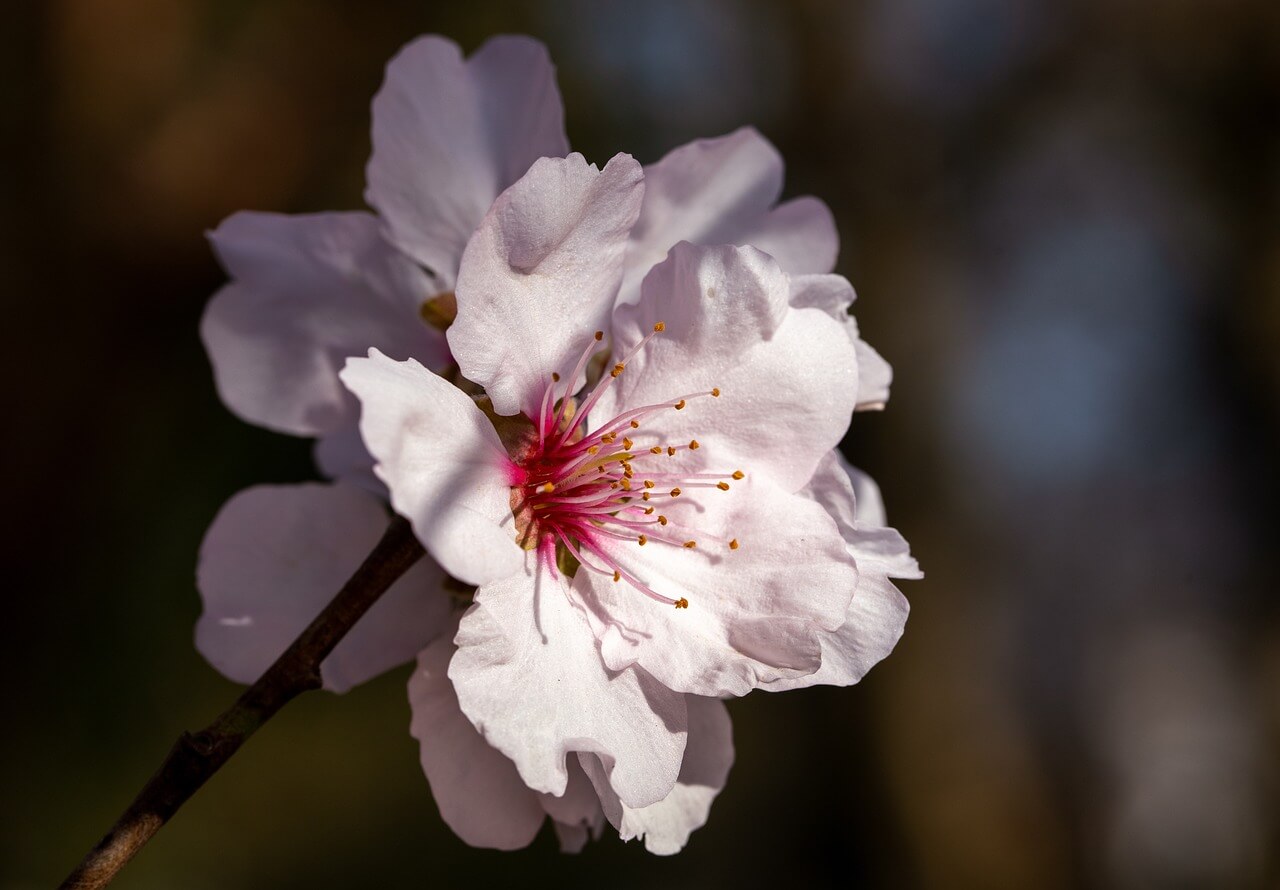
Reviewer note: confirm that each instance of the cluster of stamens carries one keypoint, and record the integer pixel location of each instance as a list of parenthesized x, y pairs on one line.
[(582, 493)]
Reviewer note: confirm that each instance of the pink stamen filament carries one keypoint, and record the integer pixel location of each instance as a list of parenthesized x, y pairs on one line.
[(603, 384), (581, 494), (577, 554), (617, 423)]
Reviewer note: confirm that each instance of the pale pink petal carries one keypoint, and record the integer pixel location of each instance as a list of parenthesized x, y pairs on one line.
[(341, 454), (800, 234), (529, 676), (439, 456), (449, 136), (755, 614), (577, 813), (869, 503), (479, 792), (572, 837), (834, 295), (874, 375), (276, 555), (853, 499), (878, 611), (541, 274), (787, 377), (667, 824), (724, 191), (306, 293), (875, 621)]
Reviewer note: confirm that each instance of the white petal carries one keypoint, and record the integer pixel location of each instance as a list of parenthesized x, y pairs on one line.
[(478, 791), (834, 295), (788, 377), (529, 676), (878, 611), (442, 461), (449, 136), (541, 274), (667, 824), (306, 293), (755, 614), (274, 558), (724, 191)]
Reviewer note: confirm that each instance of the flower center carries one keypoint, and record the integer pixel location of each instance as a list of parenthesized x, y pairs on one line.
[(583, 493)]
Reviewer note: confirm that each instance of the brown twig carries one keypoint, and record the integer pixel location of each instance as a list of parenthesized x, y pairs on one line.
[(197, 756)]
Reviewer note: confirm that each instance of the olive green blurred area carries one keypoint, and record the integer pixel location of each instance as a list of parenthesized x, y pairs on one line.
[(1063, 221)]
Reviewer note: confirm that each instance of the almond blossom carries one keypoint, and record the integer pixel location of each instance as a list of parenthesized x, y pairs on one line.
[(308, 291), (572, 548), (640, 531)]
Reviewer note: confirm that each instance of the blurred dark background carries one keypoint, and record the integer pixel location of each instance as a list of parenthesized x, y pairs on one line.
[(1063, 220)]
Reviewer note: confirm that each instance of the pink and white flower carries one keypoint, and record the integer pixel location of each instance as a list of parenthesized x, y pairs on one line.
[(640, 544), (580, 696)]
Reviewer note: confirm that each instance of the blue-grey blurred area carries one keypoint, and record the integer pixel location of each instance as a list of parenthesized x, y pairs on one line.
[(1063, 221)]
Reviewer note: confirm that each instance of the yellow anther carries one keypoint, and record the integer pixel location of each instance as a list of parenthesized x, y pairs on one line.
[(656, 449), (738, 474), (689, 545), (635, 424), (593, 449), (733, 545), (613, 485), (715, 391), (642, 540), (626, 444), (723, 486), (599, 336), (617, 369), (662, 520), (648, 510), (555, 377), (660, 327), (627, 471), (671, 451), (645, 495), (546, 487), (682, 603), (693, 445), (675, 492), (617, 576), (626, 484), (680, 405), (649, 483), (608, 438)]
